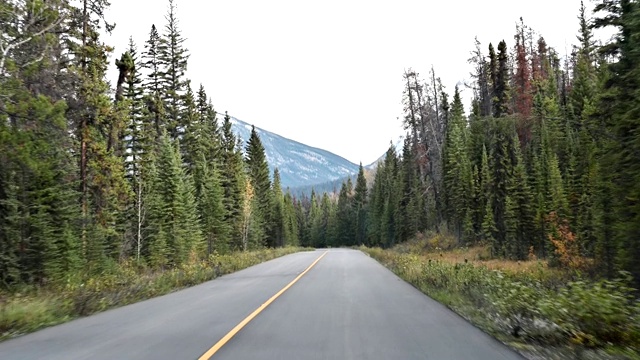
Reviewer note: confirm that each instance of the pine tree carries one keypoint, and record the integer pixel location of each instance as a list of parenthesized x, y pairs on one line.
[(258, 172), (616, 117), (37, 200), (137, 144), (360, 202), (407, 211), (153, 85), (104, 191), (291, 222), (345, 216), (315, 222), (520, 198), (172, 57), (390, 200), (487, 224), (279, 225), (233, 181), (212, 209), (151, 62), (493, 77), (328, 227), (457, 174), (501, 85), (175, 188)]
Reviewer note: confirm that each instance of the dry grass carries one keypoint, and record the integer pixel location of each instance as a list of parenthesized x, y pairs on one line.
[(479, 256), (445, 248)]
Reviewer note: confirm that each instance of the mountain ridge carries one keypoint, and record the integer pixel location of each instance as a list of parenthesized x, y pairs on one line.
[(299, 164)]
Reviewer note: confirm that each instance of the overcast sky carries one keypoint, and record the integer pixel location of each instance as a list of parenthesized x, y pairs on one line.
[(329, 73)]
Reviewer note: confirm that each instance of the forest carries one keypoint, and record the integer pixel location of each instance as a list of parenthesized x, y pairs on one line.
[(546, 165), (93, 176)]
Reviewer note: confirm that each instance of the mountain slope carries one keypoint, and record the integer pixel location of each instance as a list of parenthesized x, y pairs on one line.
[(299, 164)]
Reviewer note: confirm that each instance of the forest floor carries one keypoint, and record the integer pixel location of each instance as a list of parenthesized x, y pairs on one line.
[(540, 311), (30, 308)]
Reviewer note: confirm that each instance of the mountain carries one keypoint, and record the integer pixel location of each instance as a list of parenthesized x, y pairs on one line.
[(299, 165)]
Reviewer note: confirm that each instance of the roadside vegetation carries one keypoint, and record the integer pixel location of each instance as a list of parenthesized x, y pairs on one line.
[(541, 311), (110, 195), (29, 308)]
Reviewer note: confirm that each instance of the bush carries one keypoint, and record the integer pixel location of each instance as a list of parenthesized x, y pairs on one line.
[(118, 285), (595, 314), (528, 305)]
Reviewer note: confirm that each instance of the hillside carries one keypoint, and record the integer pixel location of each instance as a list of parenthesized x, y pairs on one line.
[(299, 164)]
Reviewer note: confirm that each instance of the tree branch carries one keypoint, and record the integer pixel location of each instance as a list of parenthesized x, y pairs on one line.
[(10, 46)]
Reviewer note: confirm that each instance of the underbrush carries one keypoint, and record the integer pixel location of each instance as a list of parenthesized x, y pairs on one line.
[(31, 308), (529, 308)]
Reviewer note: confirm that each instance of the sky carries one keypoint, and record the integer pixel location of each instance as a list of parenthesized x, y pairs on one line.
[(329, 73)]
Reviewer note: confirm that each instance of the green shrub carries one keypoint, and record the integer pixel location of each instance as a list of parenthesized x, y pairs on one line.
[(116, 286), (595, 314), (536, 306)]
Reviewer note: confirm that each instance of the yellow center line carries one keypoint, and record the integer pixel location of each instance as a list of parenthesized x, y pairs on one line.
[(243, 323)]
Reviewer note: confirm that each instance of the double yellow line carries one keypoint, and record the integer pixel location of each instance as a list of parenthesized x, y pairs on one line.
[(243, 323)]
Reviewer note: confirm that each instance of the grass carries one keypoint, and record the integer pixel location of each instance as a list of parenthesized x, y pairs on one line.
[(542, 312), (32, 308)]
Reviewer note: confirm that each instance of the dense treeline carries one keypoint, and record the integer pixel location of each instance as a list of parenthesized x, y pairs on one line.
[(546, 165), (90, 176)]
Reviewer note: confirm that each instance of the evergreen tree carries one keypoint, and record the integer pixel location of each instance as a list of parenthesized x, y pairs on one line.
[(181, 222), (493, 76), (104, 190), (258, 171), (620, 116), (233, 181), (522, 223), (291, 222), (212, 209), (501, 85), (172, 57), (457, 177), (328, 227), (153, 85), (345, 216), (360, 202), (278, 212), (315, 222), (487, 223)]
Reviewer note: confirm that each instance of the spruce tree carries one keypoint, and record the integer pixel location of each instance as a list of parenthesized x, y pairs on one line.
[(457, 174), (258, 172), (181, 222), (212, 210), (345, 216), (360, 202), (315, 222), (292, 224), (233, 181), (153, 85), (172, 57), (502, 79), (278, 212)]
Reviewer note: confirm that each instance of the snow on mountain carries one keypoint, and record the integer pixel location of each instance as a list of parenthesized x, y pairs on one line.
[(299, 164)]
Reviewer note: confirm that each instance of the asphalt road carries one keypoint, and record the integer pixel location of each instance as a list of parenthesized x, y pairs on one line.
[(346, 307)]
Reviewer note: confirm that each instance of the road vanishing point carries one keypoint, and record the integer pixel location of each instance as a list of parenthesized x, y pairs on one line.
[(325, 304)]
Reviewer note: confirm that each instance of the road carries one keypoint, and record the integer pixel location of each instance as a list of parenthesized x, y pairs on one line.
[(347, 306)]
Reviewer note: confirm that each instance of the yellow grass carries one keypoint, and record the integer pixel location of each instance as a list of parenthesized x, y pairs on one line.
[(479, 256), (445, 248)]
